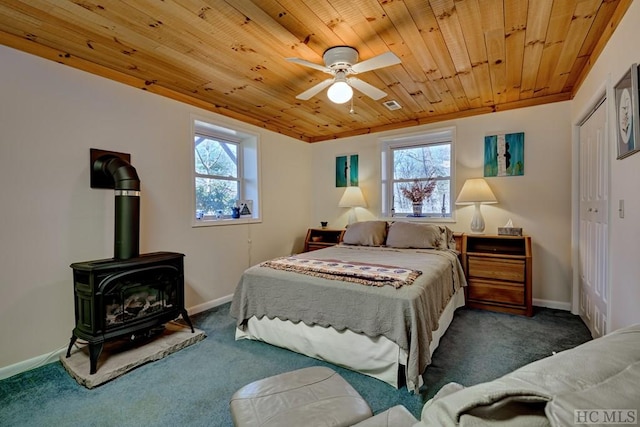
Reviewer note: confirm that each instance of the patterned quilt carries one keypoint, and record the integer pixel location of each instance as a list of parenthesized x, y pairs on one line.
[(368, 274)]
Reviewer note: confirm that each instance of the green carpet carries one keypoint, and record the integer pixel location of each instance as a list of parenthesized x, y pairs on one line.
[(192, 387)]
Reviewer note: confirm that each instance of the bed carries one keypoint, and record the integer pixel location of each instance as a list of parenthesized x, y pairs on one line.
[(376, 303)]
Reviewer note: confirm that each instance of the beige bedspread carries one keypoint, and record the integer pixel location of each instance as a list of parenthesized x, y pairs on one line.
[(406, 316)]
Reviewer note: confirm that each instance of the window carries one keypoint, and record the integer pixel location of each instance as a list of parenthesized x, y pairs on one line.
[(420, 157), (225, 174)]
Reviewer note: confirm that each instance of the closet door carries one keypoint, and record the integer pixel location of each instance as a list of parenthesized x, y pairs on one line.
[(594, 228)]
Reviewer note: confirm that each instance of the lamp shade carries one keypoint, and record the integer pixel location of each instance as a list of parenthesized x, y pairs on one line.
[(475, 190), (352, 198)]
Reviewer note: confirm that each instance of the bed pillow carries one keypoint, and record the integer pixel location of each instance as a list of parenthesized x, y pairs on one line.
[(413, 235), (449, 241), (366, 233)]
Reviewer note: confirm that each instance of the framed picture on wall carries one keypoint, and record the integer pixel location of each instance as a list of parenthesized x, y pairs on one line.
[(347, 170), (626, 104), (504, 154)]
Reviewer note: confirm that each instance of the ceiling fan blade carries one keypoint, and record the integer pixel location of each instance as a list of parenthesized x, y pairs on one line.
[(309, 64), (364, 87), (314, 90), (384, 60)]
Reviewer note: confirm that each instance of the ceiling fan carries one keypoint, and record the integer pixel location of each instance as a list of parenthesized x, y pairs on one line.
[(341, 61)]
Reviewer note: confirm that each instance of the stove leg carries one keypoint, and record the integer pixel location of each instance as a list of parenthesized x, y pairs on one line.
[(185, 316), (71, 342), (94, 354)]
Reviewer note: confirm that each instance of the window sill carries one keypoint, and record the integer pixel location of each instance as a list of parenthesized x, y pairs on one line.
[(225, 221), (404, 217)]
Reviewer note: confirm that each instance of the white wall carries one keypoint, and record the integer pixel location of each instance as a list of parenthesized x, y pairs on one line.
[(539, 201), (621, 51), (50, 116)]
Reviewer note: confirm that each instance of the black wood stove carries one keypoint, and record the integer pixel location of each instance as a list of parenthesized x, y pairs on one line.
[(129, 294)]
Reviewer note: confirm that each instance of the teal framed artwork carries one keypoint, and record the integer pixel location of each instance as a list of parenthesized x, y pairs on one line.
[(504, 154), (347, 170)]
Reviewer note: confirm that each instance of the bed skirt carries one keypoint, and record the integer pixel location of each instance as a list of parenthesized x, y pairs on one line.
[(377, 357)]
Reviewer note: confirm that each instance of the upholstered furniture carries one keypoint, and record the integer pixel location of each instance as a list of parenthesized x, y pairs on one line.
[(602, 374), (306, 397), (397, 416)]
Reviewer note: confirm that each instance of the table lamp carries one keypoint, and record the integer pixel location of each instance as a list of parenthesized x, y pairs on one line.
[(475, 192)]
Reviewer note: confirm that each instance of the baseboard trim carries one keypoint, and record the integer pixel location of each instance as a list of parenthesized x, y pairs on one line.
[(558, 305), (38, 361), (35, 362), (209, 304)]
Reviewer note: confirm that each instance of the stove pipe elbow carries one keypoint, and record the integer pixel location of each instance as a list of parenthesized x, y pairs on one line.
[(124, 175)]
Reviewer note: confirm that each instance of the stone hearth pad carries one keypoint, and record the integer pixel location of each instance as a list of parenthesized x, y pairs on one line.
[(121, 356)]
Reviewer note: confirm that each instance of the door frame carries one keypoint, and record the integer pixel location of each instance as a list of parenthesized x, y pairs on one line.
[(605, 91)]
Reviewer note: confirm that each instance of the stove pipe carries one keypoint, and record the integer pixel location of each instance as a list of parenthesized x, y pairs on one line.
[(127, 204)]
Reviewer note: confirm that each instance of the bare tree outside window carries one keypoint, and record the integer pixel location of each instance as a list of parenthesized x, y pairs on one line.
[(217, 179), (225, 174), (422, 163), (418, 160)]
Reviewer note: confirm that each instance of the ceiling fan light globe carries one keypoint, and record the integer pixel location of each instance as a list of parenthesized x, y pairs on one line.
[(339, 92)]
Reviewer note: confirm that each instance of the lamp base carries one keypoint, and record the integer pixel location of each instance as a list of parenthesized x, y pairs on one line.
[(477, 222), (352, 216)]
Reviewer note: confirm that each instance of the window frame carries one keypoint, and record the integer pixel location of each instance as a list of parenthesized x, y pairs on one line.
[(248, 169), (420, 139)]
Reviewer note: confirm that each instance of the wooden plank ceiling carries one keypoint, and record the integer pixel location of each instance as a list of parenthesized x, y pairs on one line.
[(459, 57)]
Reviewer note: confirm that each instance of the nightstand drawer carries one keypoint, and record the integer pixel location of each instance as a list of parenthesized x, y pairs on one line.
[(484, 290), (512, 270)]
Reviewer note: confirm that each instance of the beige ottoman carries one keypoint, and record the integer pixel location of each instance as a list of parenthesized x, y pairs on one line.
[(308, 397)]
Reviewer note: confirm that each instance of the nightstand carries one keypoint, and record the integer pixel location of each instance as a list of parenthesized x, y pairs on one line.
[(318, 238), (498, 271)]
